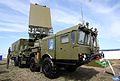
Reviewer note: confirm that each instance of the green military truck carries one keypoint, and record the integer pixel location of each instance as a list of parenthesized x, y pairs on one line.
[(16, 49), (69, 48), (20, 51)]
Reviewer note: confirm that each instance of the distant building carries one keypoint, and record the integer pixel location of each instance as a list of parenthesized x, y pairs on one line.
[(111, 53), (0, 57)]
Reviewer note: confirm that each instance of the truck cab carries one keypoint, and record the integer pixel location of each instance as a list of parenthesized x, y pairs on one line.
[(71, 47)]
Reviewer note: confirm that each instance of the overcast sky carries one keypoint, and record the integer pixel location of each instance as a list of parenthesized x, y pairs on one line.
[(101, 14)]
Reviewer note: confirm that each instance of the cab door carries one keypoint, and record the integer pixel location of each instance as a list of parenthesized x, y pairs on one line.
[(63, 46), (73, 46)]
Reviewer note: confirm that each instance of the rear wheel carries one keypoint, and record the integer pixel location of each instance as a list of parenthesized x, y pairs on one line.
[(32, 64), (49, 69)]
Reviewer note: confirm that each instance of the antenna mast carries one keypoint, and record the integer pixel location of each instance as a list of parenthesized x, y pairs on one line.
[(82, 13)]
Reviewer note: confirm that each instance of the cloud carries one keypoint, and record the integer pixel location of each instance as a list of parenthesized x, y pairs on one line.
[(16, 5), (64, 17), (8, 17), (106, 10), (101, 8), (14, 28), (8, 27), (35, 1), (7, 30), (114, 30), (1, 37), (14, 15)]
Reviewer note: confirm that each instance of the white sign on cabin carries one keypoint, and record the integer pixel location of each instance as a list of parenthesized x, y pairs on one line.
[(111, 54)]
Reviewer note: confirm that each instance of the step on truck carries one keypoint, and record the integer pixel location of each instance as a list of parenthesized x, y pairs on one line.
[(48, 52)]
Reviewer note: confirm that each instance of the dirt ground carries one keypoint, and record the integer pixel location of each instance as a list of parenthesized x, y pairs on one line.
[(83, 73)]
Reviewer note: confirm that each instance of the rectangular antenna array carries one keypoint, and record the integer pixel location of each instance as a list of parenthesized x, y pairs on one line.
[(39, 21)]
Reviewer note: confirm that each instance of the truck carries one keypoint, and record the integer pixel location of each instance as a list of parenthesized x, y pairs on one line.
[(20, 51), (48, 52)]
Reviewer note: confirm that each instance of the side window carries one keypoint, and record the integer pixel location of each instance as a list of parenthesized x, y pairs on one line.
[(50, 44), (64, 39), (73, 37), (81, 37)]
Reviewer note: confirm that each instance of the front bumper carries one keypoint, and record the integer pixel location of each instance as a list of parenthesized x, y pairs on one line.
[(86, 58)]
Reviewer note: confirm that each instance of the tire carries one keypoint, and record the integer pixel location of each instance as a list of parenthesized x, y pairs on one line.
[(49, 69), (15, 62), (32, 64), (19, 63), (71, 68), (27, 63)]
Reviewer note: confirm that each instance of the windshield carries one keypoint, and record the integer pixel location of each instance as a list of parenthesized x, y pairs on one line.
[(81, 37), (88, 41), (85, 38)]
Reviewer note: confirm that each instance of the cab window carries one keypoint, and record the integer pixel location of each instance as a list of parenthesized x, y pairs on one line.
[(87, 39), (73, 37), (81, 37), (64, 39), (88, 43)]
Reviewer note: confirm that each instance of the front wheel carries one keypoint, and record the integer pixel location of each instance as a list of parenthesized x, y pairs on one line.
[(32, 64), (19, 62), (15, 62), (49, 69)]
